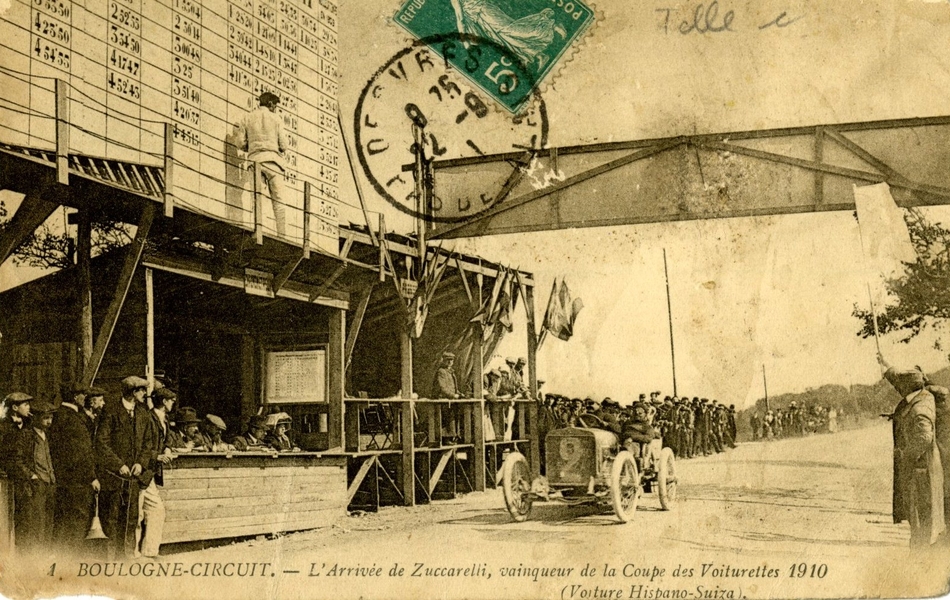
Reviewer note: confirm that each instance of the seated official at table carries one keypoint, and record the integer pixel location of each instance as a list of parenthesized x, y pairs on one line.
[(185, 435), (278, 438), (253, 439), (214, 427)]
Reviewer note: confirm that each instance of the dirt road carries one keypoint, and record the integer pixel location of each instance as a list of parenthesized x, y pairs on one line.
[(804, 517)]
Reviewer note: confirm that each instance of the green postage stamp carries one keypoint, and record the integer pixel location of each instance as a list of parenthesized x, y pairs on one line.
[(537, 34)]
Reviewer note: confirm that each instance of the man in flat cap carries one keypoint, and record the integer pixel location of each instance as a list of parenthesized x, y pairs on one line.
[(445, 385), (126, 444), (34, 481), (74, 463), (918, 471), (151, 521), (261, 135), (16, 414)]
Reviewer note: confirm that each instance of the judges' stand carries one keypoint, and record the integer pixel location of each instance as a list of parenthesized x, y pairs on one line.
[(446, 445)]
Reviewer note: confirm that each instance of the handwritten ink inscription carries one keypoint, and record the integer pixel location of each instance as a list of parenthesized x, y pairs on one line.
[(711, 19)]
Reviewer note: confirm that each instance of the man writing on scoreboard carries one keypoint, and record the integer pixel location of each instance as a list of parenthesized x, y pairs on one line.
[(261, 135)]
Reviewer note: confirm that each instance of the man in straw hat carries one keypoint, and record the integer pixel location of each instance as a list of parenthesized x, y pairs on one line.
[(74, 463), (918, 472), (126, 444)]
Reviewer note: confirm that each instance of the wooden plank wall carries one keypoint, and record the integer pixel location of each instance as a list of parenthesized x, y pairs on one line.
[(207, 502), (40, 369)]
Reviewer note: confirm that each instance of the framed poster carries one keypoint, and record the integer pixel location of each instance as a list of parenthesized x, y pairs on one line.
[(298, 376)]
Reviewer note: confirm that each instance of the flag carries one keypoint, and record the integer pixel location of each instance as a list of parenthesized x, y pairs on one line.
[(885, 239), (561, 312)]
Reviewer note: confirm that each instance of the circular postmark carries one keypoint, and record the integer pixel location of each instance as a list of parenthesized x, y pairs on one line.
[(448, 96)]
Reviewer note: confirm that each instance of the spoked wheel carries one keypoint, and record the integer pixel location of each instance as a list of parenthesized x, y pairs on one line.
[(666, 479), (624, 486), (516, 485)]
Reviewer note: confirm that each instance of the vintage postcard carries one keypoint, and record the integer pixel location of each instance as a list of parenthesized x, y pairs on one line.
[(474, 299)]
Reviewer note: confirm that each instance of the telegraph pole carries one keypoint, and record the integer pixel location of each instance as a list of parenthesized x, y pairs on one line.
[(765, 384), (669, 313)]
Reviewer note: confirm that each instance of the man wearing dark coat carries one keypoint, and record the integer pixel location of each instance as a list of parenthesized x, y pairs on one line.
[(942, 433), (75, 466), (34, 481), (126, 445), (918, 473)]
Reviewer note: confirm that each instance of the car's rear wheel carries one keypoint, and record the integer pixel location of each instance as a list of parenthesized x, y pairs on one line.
[(516, 485), (624, 486), (666, 479)]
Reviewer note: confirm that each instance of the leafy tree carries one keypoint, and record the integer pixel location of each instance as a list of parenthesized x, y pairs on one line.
[(48, 250), (922, 291)]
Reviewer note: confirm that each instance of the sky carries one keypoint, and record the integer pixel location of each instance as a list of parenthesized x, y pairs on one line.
[(776, 292)]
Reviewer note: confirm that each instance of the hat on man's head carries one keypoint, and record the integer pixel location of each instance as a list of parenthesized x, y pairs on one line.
[(448, 356), (17, 398), (510, 360), (257, 422), (41, 407), (94, 392), (162, 394), (905, 382), (268, 98), (132, 383), (216, 421), (521, 361), (186, 415)]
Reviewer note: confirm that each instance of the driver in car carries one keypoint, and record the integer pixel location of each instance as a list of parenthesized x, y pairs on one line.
[(637, 431)]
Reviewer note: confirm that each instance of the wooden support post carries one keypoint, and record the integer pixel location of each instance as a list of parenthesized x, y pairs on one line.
[(149, 331), (405, 354), (351, 428), (439, 469), (355, 325), (134, 254), (32, 212), (323, 287), (382, 247), (250, 394), (169, 170), (286, 271), (306, 218), (335, 379), (407, 416), (407, 469), (478, 433), (479, 416), (258, 205), (83, 264), (358, 479), (534, 447), (62, 132), (819, 157)]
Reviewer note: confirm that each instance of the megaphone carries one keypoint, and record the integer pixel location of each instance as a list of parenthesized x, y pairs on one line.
[(95, 529)]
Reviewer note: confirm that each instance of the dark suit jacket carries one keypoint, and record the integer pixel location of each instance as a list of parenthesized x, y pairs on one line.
[(71, 448), (120, 440)]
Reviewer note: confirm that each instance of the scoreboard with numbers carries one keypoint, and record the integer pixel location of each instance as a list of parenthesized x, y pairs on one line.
[(134, 65)]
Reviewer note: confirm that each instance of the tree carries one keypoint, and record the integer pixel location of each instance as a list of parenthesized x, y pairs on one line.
[(48, 250), (922, 291)]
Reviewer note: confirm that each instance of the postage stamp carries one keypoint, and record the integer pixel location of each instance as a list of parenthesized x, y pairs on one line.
[(538, 33)]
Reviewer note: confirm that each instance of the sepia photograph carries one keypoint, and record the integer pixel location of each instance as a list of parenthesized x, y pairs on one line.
[(475, 299)]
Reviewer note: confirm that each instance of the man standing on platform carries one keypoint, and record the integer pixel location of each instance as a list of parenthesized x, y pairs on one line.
[(126, 444), (261, 135), (75, 466)]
